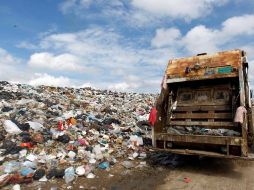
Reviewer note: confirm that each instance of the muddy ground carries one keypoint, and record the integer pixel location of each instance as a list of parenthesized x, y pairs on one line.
[(191, 174)]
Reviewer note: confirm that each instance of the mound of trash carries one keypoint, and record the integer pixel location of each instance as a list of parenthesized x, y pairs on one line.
[(51, 132)]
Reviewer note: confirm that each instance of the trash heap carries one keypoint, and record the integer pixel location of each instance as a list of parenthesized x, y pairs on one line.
[(53, 132), (196, 130)]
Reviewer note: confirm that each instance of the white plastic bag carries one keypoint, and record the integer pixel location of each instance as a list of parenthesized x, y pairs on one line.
[(69, 174), (136, 140), (36, 126), (80, 171), (11, 127)]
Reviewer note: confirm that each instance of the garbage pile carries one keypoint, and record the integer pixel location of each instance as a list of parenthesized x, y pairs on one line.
[(196, 130), (167, 159), (51, 132)]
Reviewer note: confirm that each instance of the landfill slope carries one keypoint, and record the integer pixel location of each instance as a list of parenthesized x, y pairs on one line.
[(59, 134)]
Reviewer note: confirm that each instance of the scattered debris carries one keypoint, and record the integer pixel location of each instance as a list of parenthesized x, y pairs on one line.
[(48, 133)]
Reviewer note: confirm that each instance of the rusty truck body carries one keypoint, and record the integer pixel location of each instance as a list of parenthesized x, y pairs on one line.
[(198, 103)]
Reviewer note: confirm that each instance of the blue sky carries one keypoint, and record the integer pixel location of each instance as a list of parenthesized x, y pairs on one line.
[(120, 44)]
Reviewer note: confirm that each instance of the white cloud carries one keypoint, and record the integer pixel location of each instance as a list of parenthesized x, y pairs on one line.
[(10, 73), (46, 79), (109, 60), (61, 38), (14, 70), (11, 68), (104, 49), (122, 65), (82, 42), (164, 37), (7, 59), (52, 29), (134, 83), (129, 83), (238, 26), (106, 58), (30, 46), (26, 45), (67, 5), (141, 12), (86, 84), (65, 61), (183, 9), (80, 7), (122, 86), (201, 39)]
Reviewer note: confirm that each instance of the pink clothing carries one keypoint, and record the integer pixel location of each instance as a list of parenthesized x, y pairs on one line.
[(240, 114)]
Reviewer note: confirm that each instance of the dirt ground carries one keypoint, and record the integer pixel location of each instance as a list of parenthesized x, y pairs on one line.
[(206, 173), (211, 174)]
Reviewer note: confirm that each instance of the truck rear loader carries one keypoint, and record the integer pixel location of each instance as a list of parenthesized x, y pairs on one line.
[(201, 97)]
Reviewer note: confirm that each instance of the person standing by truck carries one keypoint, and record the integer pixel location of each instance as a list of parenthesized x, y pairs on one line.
[(152, 120)]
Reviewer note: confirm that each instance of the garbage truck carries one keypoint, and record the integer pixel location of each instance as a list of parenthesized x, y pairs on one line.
[(204, 107)]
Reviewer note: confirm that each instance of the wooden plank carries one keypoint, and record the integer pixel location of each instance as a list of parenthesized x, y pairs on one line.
[(219, 115), (203, 139), (188, 118), (204, 108), (202, 123), (211, 103), (202, 116)]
